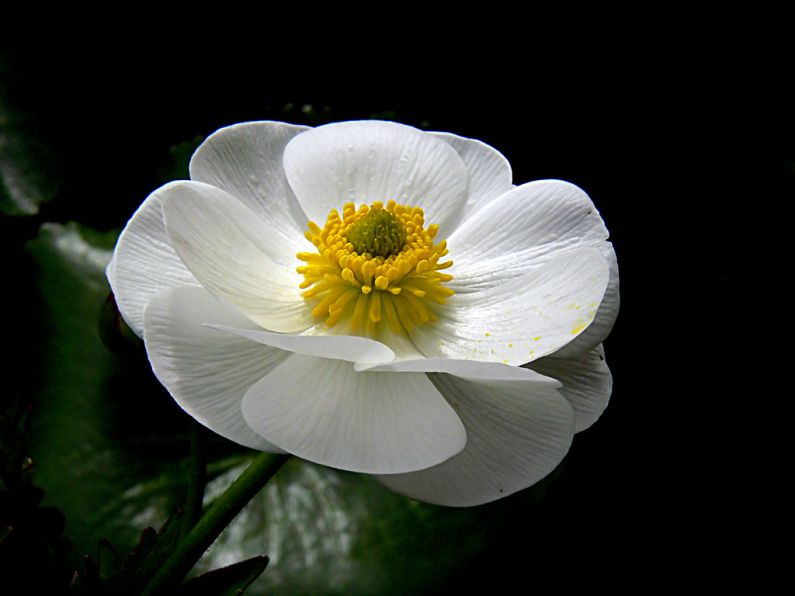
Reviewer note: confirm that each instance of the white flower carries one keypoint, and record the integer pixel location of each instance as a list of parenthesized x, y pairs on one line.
[(354, 343)]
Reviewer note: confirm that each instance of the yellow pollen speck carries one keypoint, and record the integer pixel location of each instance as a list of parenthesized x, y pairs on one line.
[(510, 345), (376, 267), (488, 334), (536, 338), (579, 325)]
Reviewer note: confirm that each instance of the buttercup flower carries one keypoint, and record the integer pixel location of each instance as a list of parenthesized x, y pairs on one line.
[(375, 298)]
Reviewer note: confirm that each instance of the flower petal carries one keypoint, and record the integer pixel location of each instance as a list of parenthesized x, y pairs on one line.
[(516, 232), (472, 370), (522, 319), (376, 161), (605, 317), (587, 383), (350, 348), (245, 160), (144, 262), (205, 370), (325, 412), (489, 172), (517, 433), (232, 253)]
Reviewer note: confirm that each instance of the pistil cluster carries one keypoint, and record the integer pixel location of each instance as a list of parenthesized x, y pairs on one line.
[(376, 267)]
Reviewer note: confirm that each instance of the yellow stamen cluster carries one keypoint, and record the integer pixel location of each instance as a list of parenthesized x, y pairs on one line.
[(396, 289)]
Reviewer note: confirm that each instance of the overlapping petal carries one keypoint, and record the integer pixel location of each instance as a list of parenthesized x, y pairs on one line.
[(489, 172), (586, 383), (350, 348), (144, 261), (517, 432), (520, 230), (605, 317), (324, 411), (471, 370), (245, 160), (376, 161), (207, 371), (232, 253), (516, 232), (523, 319)]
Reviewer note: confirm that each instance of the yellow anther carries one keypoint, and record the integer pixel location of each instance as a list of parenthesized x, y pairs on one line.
[(381, 282), (368, 268), (348, 276)]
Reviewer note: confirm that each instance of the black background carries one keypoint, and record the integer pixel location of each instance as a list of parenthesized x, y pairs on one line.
[(683, 148)]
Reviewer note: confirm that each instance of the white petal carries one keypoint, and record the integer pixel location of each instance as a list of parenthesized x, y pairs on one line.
[(325, 412), (517, 433), (522, 319), (489, 172), (245, 160), (234, 255), (587, 383), (605, 317), (206, 371), (144, 262), (472, 370), (371, 160), (516, 232), (350, 348)]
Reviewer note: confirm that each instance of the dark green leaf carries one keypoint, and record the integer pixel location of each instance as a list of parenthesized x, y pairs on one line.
[(29, 170), (109, 562), (227, 581), (327, 531), (105, 436)]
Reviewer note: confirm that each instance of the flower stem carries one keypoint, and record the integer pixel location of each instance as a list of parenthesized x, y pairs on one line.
[(214, 521), (197, 477)]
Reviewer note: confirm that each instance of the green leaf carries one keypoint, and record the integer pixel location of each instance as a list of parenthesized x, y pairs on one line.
[(227, 581), (328, 531), (109, 562), (104, 436), (29, 168)]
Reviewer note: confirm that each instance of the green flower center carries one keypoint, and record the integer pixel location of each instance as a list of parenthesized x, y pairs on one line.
[(378, 233)]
